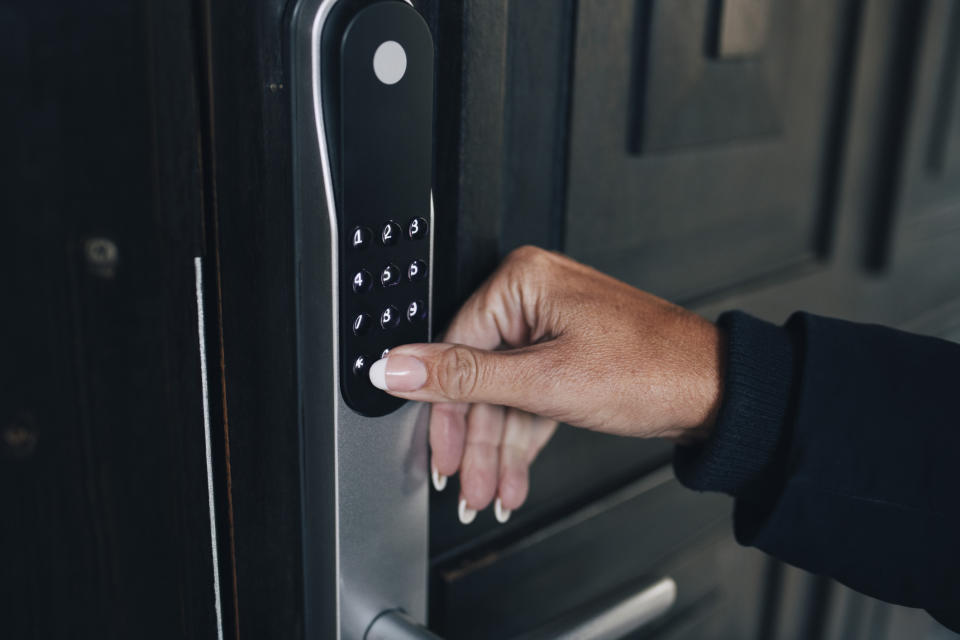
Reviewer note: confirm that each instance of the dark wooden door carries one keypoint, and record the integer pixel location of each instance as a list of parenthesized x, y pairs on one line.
[(106, 526)]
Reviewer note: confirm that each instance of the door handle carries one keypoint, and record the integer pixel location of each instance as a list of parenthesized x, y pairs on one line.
[(626, 615), (623, 616), (397, 625)]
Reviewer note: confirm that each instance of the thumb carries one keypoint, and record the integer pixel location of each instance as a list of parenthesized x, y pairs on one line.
[(458, 373)]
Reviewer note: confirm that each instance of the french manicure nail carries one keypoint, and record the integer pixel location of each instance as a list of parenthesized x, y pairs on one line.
[(439, 480), (466, 513), (502, 514), (398, 373)]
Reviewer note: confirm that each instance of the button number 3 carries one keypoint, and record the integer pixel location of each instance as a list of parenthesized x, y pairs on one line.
[(417, 228)]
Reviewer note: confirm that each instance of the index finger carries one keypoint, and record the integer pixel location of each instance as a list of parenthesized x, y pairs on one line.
[(476, 324), (491, 316)]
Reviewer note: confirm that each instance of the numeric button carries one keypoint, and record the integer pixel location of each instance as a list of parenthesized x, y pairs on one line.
[(417, 228), (417, 270), (362, 281), (390, 275), (360, 324), (360, 238), (389, 233), (416, 311), (389, 318)]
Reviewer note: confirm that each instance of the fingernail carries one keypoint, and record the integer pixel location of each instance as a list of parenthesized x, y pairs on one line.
[(398, 373), (502, 514), (466, 513), (439, 480)]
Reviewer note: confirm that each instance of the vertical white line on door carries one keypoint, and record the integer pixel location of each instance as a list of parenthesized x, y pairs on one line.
[(198, 274)]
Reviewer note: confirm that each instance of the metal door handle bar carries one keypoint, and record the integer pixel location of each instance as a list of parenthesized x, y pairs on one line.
[(623, 616), (397, 625)]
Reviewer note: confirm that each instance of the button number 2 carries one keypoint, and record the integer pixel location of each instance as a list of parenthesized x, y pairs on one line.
[(389, 233)]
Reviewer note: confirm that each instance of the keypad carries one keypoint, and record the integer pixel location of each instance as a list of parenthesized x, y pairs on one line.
[(381, 147), (388, 270)]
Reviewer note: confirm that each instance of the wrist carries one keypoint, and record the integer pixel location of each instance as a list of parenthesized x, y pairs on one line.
[(753, 421), (704, 383)]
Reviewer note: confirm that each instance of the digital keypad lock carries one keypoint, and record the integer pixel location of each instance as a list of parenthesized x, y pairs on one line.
[(381, 147)]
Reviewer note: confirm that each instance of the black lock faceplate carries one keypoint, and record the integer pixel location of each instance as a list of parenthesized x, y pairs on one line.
[(381, 144)]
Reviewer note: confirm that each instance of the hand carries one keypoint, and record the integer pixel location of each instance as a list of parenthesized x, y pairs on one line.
[(547, 339)]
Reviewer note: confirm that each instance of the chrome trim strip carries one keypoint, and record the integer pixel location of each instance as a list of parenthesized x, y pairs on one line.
[(316, 35)]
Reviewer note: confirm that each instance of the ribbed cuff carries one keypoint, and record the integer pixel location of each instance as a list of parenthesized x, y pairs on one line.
[(744, 446)]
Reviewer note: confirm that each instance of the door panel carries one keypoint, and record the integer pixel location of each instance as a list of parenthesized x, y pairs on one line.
[(560, 482), (721, 588), (931, 180), (680, 154), (624, 541), (501, 139), (566, 84), (106, 524), (916, 235)]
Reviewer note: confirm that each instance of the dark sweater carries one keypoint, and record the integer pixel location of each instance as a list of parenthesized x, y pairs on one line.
[(841, 445)]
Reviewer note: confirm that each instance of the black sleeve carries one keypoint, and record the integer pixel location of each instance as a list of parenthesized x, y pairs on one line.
[(841, 445)]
